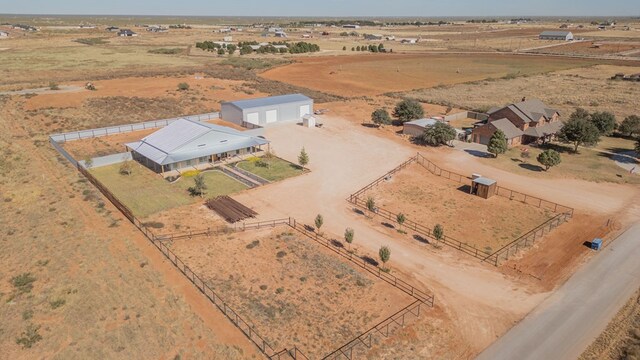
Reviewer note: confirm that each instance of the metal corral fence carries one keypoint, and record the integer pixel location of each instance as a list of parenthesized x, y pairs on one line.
[(120, 129), (564, 213), (527, 239), (223, 229), (62, 151), (384, 328)]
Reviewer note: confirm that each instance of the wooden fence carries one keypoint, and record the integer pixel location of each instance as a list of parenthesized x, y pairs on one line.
[(563, 213)]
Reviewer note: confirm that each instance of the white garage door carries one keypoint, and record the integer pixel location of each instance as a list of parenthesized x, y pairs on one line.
[(272, 116), (253, 118), (305, 110)]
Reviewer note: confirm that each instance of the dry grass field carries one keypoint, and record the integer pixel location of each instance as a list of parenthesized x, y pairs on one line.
[(292, 289), (487, 224), (589, 88), (592, 48)]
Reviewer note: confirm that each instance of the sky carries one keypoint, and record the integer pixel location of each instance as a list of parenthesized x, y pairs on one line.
[(343, 8)]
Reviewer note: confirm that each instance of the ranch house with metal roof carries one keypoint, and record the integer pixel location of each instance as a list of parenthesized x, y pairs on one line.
[(187, 144), (268, 110)]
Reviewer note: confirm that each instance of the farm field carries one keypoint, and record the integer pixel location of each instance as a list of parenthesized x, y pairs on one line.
[(352, 76), (487, 224), (592, 48), (282, 282)]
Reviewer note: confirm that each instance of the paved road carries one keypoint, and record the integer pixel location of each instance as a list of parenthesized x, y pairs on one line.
[(570, 319)]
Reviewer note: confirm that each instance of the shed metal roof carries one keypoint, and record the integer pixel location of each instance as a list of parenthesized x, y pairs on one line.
[(187, 139), (484, 181), (555, 33), (422, 122), (269, 101)]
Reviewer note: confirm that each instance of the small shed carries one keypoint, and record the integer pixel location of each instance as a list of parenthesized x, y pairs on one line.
[(309, 121), (483, 187)]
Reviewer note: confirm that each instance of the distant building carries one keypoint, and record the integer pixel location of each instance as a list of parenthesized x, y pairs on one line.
[(281, 34), (268, 110), (3, 34), (157, 29), (224, 30), (556, 35), (351, 26), (126, 33), (373, 37), (273, 29), (409, 41), (113, 28), (417, 127)]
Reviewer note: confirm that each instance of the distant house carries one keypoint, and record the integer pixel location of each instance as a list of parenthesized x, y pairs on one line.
[(281, 34), (224, 30), (409, 41), (113, 28), (273, 29), (3, 34), (157, 29), (556, 35), (126, 33), (227, 39), (390, 38), (351, 26), (524, 122)]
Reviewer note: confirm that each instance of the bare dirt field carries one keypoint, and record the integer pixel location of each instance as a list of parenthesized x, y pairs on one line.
[(292, 289), (352, 76), (621, 338), (597, 92), (487, 224)]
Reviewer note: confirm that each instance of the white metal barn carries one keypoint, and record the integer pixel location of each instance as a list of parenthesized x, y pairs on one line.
[(268, 110)]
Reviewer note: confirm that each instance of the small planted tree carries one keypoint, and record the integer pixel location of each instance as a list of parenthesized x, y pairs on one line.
[(381, 117), (303, 158), (344, 48), (319, 221), (400, 219), (348, 236), (438, 134), (408, 109), (438, 232), (497, 143), (199, 187), (88, 163), (549, 158), (385, 254), (54, 86), (183, 86), (371, 205), (579, 130)]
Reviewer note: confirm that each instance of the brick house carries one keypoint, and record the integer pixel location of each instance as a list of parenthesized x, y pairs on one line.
[(535, 121)]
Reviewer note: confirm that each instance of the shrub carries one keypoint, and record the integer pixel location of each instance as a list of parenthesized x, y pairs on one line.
[(630, 126), (381, 117), (549, 158), (29, 337), (57, 303), (438, 232), (23, 282), (437, 134), (183, 86), (166, 51), (190, 173), (54, 86)]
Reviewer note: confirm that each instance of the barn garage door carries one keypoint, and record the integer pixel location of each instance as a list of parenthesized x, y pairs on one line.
[(272, 116), (253, 118), (305, 110)]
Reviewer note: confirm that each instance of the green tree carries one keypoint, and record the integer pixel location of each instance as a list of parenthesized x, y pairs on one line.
[(549, 158), (400, 219), (88, 163), (344, 48), (231, 48), (303, 158), (638, 146), (579, 130), (604, 121), (381, 48), (348, 236), (381, 117), (358, 48), (245, 49), (319, 221), (199, 186), (371, 204), (438, 134), (385, 254), (408, 109), (438, 232), (183, 86), (630, 125), (221, 51), (497, 143)]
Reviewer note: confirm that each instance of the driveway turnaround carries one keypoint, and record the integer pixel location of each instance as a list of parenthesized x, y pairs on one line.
[(569, 320)]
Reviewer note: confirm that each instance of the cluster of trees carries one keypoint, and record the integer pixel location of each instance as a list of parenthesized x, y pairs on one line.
[(482, 21), (371, 48), (221, 49), (584, 128), (302, 47), (417, 23), (352, 33)]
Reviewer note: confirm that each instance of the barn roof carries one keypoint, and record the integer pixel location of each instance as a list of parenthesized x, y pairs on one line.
[(186, 139), (269, 101), (555, 33)]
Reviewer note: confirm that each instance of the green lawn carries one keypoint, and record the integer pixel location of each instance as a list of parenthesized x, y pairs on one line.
[(146, 193), (217, 184), (588, 164), (278, 169)]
